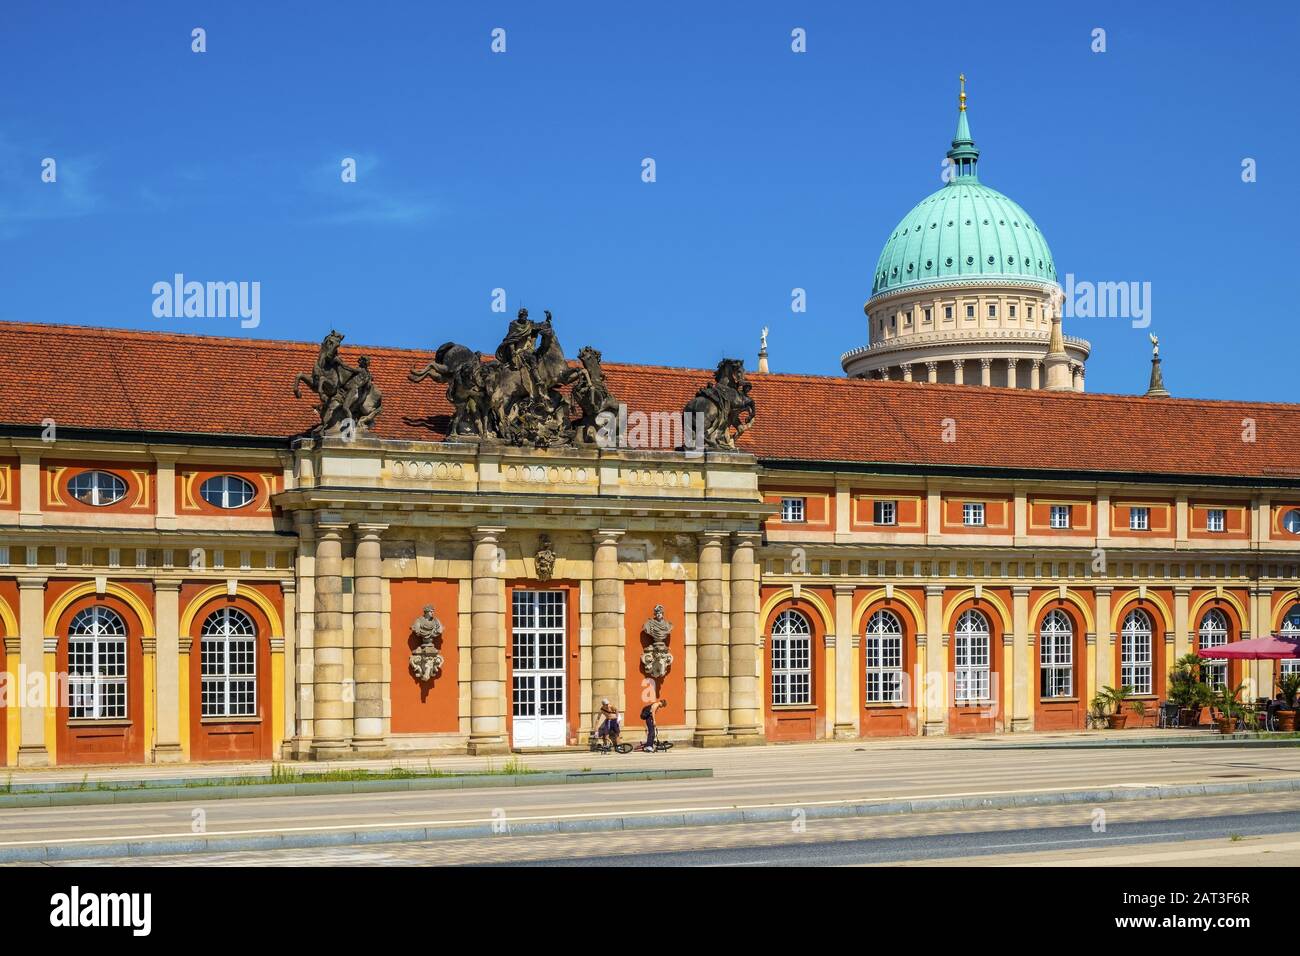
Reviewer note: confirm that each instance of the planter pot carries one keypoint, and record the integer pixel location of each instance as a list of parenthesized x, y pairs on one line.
[(1286, 720), (1117, 721), (1227, 724), (1185, 717)]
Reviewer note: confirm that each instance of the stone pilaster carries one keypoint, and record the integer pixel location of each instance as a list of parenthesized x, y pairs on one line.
[(167, 691), (744, 702), (936, 664), (332, 730), (607, 622), (31, 628), (368, 730), (847, 694), (1182, 635), (1105, 649), (710, 646), (487, 708), (289, 589), (1022, 664)]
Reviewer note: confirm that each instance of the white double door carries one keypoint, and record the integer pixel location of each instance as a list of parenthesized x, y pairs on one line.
[(538, 691)]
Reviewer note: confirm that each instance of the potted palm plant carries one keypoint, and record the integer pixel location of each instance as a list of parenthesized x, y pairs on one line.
[(1115, 697), (1289, 688), (1186, 689), (1227, 702)]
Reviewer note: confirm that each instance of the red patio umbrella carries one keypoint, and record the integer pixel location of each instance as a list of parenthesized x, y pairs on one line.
[(1276, 647)]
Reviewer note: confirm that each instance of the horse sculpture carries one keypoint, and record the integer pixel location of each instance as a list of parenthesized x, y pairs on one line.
[(349, 399), (723, 411)]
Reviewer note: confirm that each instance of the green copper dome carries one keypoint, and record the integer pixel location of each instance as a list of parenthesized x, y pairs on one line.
[(964, 231)]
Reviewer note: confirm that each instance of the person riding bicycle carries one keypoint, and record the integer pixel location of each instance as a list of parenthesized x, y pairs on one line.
[(648, 715), (607, 724)]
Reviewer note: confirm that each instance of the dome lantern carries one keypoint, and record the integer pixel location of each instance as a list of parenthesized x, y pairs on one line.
[(963, 153)]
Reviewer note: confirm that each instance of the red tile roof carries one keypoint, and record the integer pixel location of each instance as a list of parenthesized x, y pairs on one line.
[(97, 379)]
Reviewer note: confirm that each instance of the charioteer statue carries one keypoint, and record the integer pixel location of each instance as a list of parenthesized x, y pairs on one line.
[(515, 398)]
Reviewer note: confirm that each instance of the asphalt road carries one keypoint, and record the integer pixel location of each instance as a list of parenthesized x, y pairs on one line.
[(794, 776)]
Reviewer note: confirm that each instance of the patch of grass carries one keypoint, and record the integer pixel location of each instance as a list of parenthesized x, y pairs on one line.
[(1235, 837)]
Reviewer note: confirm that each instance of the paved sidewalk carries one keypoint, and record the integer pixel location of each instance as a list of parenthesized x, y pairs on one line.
[(576, 759)]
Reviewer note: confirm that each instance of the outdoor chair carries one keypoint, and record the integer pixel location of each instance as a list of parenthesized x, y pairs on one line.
[(1168, 715)]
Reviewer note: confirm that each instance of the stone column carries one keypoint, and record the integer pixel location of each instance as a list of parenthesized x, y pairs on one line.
[(331, 730), (936, 664), (1011, 373), (986, 373), (607, 623), (958, 366), (289, 589), (31, 660), (745, 726), (1182, 637), (932, 372), (1022, 664), (487, 705), (848, 698), (1077, 370), (167, 690), (304, 659), (711, 708), (1035, 374), (907, 371), (1105, 669), (368, 641)]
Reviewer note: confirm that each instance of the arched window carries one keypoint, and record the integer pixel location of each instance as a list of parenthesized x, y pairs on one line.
[(791, 659), (1291, 628), (884, 655), (971, 650), (228, 664), (227, 491), (97, 665), (1135, 652), (1056, 655), (1212, 633), (97, 488)]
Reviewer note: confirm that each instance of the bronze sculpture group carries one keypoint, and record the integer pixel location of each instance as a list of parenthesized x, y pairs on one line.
[(515, 398)]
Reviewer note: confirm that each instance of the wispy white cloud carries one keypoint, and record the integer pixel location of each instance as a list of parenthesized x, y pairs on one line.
[(368, 200), (26, 199)]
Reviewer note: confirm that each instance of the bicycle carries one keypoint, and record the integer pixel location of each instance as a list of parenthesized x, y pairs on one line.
[(656, 747), (603, 748)]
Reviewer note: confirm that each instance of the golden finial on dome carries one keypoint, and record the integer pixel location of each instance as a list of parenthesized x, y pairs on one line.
[(962, 107)]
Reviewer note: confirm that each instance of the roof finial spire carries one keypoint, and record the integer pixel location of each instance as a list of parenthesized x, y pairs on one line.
[(961, 106)]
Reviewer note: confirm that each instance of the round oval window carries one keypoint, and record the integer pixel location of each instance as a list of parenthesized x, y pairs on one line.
[(227, 491), (1291, 521)]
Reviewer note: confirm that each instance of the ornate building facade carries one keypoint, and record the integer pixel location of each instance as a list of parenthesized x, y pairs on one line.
[(190, 569)]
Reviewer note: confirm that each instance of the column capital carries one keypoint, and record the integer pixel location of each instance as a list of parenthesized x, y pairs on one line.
[(166, 584), (288, 586), (1182, 590), (746, 539), (32, 582), (934, 590), (932, 366), (607, 535), (330, 525), (986, 363), (1020, 590), (713, 536), (1103, 590), (845, 589), (486, 533), (371, 527)]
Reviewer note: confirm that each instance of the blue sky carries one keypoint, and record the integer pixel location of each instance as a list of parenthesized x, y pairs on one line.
[(522, 170)]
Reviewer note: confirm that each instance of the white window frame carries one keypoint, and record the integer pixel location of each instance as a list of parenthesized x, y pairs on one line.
[(1056, 655), (883, 653), (884, 512), (1213, 631), (1059, 517), (1216, 519), (222, 496), (1137, 646), (228, 665), (1291, 521), (1291, 628), (790, 655), (972, 514), (972, 657), (538, 641), (1139, 518), (97, 665), (99, 488), (794, 510)]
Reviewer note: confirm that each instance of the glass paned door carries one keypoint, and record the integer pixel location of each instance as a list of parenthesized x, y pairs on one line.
[(538, 690)]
